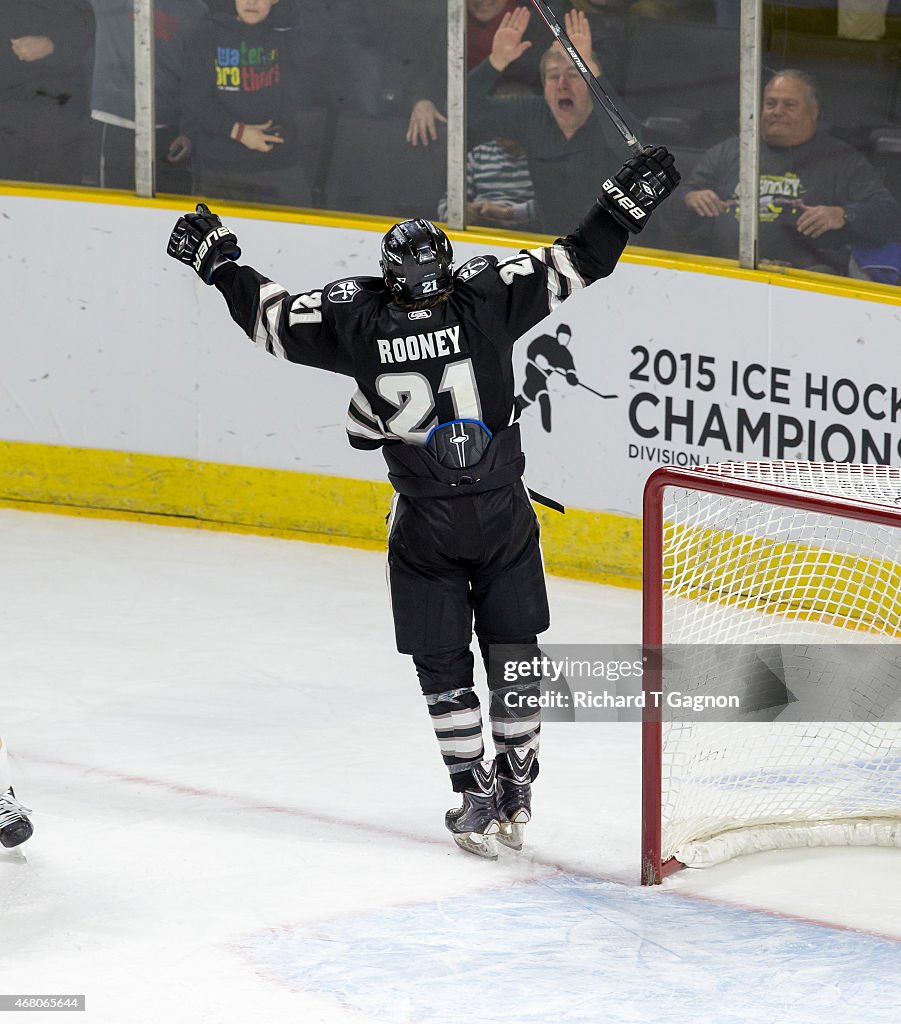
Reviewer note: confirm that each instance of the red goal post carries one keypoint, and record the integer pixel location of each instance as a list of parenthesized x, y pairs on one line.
[(774, 552)]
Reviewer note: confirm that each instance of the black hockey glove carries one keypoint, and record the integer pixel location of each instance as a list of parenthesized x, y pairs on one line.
[(200, 240), (639, 187)]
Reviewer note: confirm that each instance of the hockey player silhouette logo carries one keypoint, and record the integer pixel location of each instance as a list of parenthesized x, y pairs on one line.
[(547, 355)]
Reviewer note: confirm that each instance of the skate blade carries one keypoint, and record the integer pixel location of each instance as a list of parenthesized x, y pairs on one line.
[(511, 835), (476, 843)]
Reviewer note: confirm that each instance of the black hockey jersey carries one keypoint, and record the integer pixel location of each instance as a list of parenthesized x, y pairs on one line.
[(415, 369)]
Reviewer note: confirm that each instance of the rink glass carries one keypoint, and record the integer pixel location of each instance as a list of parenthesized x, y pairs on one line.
[(672, 68)]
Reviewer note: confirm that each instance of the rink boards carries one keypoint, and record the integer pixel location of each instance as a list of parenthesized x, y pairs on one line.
[(128, 387)]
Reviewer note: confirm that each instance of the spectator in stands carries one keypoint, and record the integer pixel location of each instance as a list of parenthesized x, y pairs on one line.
[(240, 94), (483, 18), (499, 190), (818, 196), (564, 137), (113, 91), (45, 48)]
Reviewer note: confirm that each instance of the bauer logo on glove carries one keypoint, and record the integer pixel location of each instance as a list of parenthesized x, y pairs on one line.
[(207, 243), (616, 194), (639, 187), (200, 240)]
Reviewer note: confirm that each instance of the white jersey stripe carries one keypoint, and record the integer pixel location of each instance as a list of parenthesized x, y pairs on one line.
[(554, 287), (268, 316), (363, 415), (562, 277), (362, 421), (358, 429), (563, 261), (273, 320)]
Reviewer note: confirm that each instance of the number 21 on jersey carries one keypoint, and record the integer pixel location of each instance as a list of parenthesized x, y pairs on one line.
[(412, 395)]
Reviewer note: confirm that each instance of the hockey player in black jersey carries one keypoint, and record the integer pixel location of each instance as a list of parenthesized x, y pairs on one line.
[(430, 351)]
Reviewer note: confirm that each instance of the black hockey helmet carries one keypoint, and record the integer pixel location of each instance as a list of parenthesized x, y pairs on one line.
[(416, 261)]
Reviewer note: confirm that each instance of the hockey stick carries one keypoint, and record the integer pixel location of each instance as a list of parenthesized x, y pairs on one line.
[(594, 86), (587, 388)]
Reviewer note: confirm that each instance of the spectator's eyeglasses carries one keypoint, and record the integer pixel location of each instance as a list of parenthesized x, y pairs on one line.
[(570, 74)]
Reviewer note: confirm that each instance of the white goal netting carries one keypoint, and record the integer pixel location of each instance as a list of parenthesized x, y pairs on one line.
[(753, 570)]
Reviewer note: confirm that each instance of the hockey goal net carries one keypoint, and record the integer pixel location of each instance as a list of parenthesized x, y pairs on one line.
[(777, 553)]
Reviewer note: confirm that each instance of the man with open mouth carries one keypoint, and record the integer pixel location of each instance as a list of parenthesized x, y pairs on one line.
[(564, 136)]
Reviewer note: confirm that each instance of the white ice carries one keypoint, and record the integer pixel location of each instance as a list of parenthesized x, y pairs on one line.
[(238, 807)]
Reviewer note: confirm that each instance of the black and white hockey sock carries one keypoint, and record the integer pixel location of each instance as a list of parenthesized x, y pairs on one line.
[(457, 720), (446, 681), (514, 712)]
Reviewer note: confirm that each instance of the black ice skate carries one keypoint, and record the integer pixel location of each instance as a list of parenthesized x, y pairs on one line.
[(514, 794), (15, 826), (475, 824)]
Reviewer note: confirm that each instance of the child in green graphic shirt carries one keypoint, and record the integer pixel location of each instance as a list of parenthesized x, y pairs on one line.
[(240, 95)]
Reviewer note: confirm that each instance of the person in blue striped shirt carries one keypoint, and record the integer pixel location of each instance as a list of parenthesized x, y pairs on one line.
[(499, 190), (499, 187)]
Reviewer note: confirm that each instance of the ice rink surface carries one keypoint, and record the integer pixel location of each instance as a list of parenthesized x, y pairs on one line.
[(238, 806)]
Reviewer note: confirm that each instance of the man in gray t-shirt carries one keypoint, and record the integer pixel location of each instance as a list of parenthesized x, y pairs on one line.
[(818, 195)]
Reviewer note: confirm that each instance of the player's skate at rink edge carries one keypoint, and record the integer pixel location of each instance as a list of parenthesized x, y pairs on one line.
[(430, 352), (15, 825)]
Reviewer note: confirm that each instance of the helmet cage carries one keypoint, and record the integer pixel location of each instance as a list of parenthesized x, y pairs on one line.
[(417, 261)]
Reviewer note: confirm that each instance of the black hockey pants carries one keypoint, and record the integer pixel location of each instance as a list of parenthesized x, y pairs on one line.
[(457, 560)]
